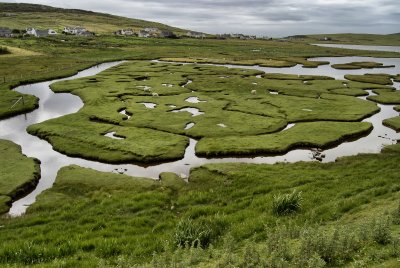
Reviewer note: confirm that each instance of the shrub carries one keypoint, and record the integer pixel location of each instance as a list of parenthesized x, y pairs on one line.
[(332, 247), (189, 233), (3, 50), (287, 203), (396, 215), (381, 231)]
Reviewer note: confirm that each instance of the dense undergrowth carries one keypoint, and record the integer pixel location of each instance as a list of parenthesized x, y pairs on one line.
[(224, 217)]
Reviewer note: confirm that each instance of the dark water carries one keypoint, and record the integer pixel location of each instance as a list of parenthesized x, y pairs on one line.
[(55, 105)]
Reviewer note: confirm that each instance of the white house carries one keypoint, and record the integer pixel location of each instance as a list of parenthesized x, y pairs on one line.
[(40, 33), (78, 30), (152, 30), (31, 31), (126, 32), (144, 33)]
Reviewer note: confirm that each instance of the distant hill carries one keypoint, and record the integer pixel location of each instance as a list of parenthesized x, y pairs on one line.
[(355, 39), (20, 16)]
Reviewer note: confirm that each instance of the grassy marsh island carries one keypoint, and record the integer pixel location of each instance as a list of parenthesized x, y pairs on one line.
[(18, 174), (224, 99)]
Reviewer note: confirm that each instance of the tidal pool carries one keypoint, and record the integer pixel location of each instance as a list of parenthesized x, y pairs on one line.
[(54, 105)]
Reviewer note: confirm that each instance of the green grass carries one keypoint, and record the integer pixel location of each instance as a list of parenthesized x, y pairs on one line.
[(380, 79), (158, 134), (38, 59), (302, 135), (18, 174), (355, 39), (393, 123), (360, 65), (90, 218), (44, 17), (4, 50), (386, 96)]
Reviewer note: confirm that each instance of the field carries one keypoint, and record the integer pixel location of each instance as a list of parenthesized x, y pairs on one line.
[(22, 16), (354, 39), (348, 215), (306, 214)]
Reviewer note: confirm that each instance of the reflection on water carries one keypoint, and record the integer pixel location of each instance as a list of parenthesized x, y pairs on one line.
[(55, 105)]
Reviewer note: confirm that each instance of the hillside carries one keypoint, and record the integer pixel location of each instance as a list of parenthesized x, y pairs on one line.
[(20, 16), (354, 39)]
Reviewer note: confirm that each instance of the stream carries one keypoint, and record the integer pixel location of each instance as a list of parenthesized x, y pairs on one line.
[(53, 105)]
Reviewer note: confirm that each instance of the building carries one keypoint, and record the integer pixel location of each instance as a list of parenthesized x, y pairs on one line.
[(5, 32), (195, 34), (78, 30), (31, 31), (126, 32), (40, 33), (152, 30), (144, 33)]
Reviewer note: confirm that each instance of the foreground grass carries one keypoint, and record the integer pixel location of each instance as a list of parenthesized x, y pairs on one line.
[(91, 218), (18, 174)]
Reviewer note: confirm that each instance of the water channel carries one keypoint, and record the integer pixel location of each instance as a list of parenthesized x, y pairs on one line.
[(53, 105)]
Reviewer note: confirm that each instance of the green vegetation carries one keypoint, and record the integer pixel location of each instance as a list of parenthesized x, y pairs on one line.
[(18, 174), (302, 135), (393, 123), (22, 16), (89, 218), (380, 79), (354, 39), (226, 99), (62, 56), (286, 204), (275, 63), (360, 65), (386, 96), (3, 50), (227, 215)]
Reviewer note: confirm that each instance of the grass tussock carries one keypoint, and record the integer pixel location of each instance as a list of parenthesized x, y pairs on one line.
[(285, 204)]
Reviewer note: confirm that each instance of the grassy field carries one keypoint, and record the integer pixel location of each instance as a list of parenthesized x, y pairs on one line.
[(65, 55), (345, 213), (18, 174), (354, 39), (348, 215), (225, 99)]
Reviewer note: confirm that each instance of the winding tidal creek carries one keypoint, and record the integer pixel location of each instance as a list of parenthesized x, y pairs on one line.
[(53, 105)]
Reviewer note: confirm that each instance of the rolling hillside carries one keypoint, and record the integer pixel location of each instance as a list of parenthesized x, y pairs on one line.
[(354, 39), (20, 16)]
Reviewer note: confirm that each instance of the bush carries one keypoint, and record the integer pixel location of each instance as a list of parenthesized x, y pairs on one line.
[(3, 50), (396, 215), (381, 231), (287, 203), (189, 233)]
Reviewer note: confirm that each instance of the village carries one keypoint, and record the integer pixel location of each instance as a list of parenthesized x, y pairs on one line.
[(149, 32)]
